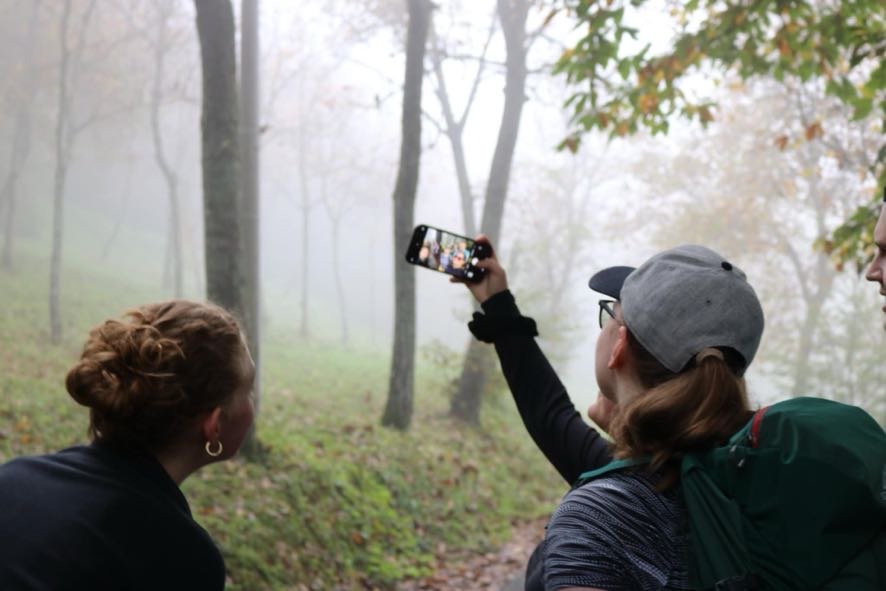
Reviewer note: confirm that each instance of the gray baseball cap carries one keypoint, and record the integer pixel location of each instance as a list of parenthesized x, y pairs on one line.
[(684, 300)]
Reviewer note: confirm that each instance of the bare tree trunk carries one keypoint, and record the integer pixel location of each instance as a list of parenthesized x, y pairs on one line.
[(250, 195), (65, 134), (454, 131), (512, 13), (818, 289), (8, 197), (174, 247), (221, 155), (344, 336), (61, 160), (20, 148), (398, 409), (455, 127), (21, 140), (807, 338), (304, 328)]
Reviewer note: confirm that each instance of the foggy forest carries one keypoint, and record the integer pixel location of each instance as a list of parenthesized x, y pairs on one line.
[(274, 157)]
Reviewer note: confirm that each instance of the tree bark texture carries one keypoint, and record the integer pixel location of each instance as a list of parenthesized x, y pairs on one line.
[(250, 195), (221, 156), (398, 409), (466, 401)]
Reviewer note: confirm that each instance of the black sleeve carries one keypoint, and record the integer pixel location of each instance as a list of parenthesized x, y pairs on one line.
[(558, 430)]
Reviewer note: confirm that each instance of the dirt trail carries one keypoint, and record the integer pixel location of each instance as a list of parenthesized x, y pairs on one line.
[(501, 570)]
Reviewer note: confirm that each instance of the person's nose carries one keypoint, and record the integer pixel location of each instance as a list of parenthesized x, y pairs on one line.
[(875, 270)]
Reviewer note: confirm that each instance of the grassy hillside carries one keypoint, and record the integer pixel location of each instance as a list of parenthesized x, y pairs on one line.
[(337, 501)]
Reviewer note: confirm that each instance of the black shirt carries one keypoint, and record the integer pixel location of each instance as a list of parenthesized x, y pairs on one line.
[(569, 444), (92, 517)]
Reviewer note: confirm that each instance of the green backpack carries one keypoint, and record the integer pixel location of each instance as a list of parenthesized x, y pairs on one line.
[(795, 501)]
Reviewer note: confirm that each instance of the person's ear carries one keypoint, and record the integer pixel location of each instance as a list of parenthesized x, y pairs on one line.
[(619, 349), (211, 424)]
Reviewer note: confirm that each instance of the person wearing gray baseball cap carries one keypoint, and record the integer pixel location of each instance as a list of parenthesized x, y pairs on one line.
[(677, 335)]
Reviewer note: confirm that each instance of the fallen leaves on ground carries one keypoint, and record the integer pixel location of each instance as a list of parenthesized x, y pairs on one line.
[(492, 571)]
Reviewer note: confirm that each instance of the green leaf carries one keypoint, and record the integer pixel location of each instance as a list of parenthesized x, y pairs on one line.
[(624, 68), (862, 108)]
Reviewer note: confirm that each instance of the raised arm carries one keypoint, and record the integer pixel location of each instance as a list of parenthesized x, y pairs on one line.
[(558, 430)]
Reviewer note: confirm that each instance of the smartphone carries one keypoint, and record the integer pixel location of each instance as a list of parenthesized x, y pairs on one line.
[(446, 252)]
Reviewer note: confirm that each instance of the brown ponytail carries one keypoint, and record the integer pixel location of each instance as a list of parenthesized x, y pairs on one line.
[(146, 377), (696, 409)]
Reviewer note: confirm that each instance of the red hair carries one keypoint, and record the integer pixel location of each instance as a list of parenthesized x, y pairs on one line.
[(695, 409), (146, 377)]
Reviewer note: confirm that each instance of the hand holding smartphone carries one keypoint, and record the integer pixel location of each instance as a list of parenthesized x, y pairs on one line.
[(446, 252)]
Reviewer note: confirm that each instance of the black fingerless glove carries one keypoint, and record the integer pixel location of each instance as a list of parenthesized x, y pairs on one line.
[(501, 317), (488, 328)]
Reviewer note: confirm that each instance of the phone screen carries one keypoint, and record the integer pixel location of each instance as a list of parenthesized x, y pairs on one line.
[(444, 251)]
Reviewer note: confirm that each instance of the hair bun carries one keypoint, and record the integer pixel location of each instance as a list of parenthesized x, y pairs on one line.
[(121, 366), (147, 376)]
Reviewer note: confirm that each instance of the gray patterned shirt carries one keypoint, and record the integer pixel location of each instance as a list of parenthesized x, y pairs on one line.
[(618, 533)]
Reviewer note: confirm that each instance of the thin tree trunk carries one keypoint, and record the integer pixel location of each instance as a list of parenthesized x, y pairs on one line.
[(344, 336), (454, 131), (118, 223), (466, 401), (304, 328), (9, 225), (21, 139), (174, 248), (250, 195), (398, 409), (61, 158), (806, 341), (221, 156)]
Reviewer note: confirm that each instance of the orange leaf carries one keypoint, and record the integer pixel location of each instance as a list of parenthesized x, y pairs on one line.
[(648, 102), (813, 131)]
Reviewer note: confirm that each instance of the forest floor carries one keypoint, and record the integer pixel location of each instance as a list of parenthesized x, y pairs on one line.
[(502, 570)]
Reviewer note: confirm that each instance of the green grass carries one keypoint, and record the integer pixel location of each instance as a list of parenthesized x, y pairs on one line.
[(336, 501)]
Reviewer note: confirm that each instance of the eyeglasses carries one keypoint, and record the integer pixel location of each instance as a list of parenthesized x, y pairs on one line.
[(606, 306)]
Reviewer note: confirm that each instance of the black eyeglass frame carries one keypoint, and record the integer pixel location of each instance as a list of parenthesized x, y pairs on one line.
[(608, 307)]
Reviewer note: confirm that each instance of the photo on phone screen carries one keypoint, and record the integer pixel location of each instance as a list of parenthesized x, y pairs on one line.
[(446, 252)]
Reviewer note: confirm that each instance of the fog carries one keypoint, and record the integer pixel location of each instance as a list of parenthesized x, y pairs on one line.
[(331, 77)]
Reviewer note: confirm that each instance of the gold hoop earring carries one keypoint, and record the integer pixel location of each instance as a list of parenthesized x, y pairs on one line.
[(214, 452)]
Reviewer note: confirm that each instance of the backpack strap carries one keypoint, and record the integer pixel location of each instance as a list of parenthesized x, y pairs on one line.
[(613, 466), (756, 422)]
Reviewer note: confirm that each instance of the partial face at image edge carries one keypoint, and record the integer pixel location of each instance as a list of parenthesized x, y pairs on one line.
[(877, 269)]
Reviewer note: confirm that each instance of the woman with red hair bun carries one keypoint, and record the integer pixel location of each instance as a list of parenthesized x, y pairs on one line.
[(169, 390)]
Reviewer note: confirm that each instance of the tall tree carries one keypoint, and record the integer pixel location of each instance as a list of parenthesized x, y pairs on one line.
[(161, 45), (249, 88), (221, 155), (21, 136), (398, 409), (512, 14), (66, 131), (453, 127)]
